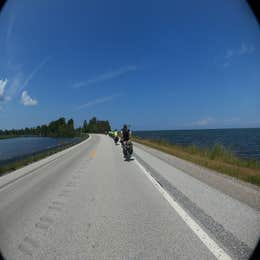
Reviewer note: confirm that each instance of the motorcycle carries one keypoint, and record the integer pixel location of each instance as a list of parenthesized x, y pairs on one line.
[(127, 149), (116, 139)]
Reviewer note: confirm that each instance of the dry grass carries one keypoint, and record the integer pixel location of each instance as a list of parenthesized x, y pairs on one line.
[(217, 158)]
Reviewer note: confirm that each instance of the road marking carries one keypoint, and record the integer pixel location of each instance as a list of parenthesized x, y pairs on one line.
[(66, 191), (23, 247), (25, 250), (58, 203), (31, 241), (41, 225), (55, 208), (217, 251), (93, 154), (65, 195), (71, 185), (47, 219)]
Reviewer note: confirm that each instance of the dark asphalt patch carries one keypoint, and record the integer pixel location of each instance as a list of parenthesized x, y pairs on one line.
[(237, 248)]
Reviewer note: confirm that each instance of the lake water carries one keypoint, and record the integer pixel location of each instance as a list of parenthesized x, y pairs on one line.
[(21, 146), (243, 142)]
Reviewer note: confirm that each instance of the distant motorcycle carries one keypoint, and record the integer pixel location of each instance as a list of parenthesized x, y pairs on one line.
[(127, 149), (116, 139)]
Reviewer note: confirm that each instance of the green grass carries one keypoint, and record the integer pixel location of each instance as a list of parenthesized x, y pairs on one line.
[(14, 165), (7, 136), (216, 158)]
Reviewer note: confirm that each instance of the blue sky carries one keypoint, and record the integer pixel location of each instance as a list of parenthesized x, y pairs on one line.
[(152, 64)]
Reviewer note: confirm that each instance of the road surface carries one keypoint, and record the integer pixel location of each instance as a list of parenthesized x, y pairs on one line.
[(88, 203)]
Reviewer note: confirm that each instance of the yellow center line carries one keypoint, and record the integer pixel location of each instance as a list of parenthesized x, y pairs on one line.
[(93, 154)]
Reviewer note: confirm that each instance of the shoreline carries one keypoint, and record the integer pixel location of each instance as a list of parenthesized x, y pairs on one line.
[(3, 137), (218, 159), (18, 162), (243, 142)]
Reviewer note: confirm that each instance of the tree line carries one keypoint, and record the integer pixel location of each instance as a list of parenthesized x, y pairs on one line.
[(96, 126), (61, 128)]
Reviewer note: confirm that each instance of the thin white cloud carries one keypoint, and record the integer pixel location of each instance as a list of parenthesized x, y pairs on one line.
[(229, 54), (7, 98), (27, 100), (244, 49), (226, 64), (3, 84), (14, 84), (97, 101), (17, 84), (105, 76), (231, 120), (34, 71), (254, 122), (203, 122), (3, 96), (10, 29), (79, 84)]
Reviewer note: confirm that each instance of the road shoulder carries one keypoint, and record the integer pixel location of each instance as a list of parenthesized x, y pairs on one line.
[(244, 192)]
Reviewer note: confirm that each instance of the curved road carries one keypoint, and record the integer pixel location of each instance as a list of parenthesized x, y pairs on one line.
[(88, 203)]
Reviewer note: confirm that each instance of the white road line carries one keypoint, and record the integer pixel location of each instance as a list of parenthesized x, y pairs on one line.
[(217, 251)]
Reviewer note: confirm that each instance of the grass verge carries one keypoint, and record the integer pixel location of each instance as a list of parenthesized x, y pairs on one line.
[(18, 163), (217, 158), (8, 136)]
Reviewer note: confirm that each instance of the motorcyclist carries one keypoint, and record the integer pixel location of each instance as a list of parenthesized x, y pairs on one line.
[(116, 138), (125, 139), (126, 133)]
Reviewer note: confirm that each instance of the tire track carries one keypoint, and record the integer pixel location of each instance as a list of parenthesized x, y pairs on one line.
[(28, 246)]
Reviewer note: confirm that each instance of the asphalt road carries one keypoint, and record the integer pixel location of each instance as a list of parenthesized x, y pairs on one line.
[(88, 203)]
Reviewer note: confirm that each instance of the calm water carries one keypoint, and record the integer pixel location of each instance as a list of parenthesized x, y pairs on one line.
[(243, 142), (22, 146)]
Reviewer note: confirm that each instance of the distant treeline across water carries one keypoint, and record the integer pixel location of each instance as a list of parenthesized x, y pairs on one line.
[(244, 142), (33, 140), (59, 128)]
